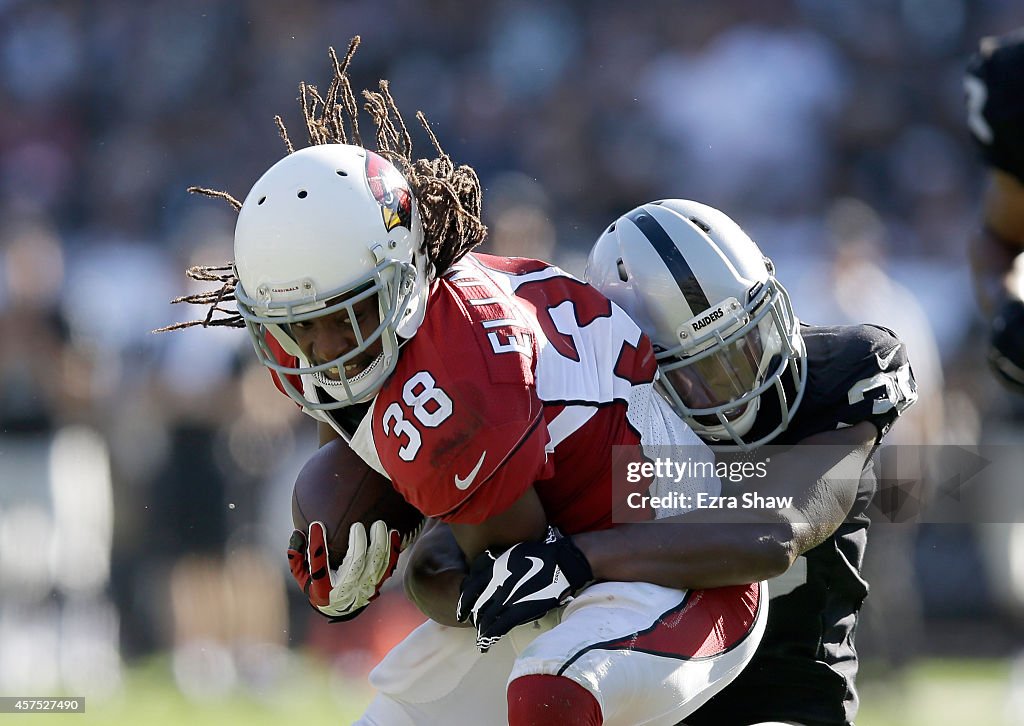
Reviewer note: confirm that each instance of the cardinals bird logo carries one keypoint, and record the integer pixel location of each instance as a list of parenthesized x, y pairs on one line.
[(391, 191)]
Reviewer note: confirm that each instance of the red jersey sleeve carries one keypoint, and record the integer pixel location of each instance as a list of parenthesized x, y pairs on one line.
[(459, 427)]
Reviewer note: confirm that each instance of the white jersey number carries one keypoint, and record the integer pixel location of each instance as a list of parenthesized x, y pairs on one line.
[(430, 406)]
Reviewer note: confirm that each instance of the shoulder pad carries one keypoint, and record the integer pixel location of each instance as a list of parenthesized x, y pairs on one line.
[(856, 373), (887, 380)]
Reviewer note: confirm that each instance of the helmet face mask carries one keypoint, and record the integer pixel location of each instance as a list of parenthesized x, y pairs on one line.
[(716, 381), (393, 299), (723, 327), (731, 370), (322, 232)]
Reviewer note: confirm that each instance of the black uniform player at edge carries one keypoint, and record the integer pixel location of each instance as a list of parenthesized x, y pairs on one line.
[(806, 666), (994, 87)]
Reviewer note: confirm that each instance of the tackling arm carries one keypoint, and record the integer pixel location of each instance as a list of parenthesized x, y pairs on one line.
[(718, 548), (438, 562), (757, 544), (434, 573)]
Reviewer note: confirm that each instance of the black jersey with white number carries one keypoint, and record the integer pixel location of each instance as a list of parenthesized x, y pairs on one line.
[(995, 101), (805, 666), (855, 373)]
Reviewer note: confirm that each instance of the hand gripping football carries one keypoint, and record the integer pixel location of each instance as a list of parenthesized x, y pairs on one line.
[(338, 488)]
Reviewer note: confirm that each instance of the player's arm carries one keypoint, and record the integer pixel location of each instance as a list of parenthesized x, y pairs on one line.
[(720, 547), (434, 573), (371, 557), (438, 563), (1001, 239), (524, 521), (487, 520), (708, 548), (997, 265), (711, 548), (995, 117)]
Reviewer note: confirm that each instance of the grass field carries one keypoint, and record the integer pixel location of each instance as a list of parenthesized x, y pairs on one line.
[(932, 693), (939, 693), (307, 694)]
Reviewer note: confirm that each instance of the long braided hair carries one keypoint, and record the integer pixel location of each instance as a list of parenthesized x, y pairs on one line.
[(449, 197)]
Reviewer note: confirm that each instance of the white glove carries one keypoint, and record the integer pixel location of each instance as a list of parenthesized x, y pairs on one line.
[(343, 593), (363, 570)]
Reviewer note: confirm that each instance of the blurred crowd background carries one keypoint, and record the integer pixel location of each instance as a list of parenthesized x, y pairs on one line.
[(145, 479)]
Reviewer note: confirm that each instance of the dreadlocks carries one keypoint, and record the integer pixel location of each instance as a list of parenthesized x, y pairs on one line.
[(449, 197)]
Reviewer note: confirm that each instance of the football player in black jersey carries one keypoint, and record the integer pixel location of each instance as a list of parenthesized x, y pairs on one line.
[(743, 371), (995, 116)]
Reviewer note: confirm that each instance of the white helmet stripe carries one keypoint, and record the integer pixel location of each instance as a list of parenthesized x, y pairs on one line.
[(673, 258)]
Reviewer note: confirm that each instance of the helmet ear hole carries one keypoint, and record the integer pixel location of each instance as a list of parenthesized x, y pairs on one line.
[(341, 172), (623, 275)]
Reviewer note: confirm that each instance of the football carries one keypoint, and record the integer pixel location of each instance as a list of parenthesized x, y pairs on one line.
[(338, 488)]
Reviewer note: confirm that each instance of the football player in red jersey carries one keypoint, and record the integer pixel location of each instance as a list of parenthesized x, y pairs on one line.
[(491, 392), (995, 116)]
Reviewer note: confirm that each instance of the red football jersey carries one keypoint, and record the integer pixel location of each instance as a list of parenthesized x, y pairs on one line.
[(520, 375)]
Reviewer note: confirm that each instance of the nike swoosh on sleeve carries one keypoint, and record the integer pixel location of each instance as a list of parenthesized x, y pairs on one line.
[(884, 359), (463, 484)]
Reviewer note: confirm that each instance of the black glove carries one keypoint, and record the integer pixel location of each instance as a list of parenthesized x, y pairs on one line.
[(1006, 350), (521, 585)]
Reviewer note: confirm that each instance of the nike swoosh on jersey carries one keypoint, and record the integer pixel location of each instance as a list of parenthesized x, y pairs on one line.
[(884, 359), (536, 565), (463, 484)]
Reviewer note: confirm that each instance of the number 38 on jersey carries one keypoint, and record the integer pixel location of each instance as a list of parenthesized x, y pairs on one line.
[(428, 405)]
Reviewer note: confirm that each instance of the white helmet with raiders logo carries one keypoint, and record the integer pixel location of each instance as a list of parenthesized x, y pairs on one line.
[(324, 229), (722, 325)]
